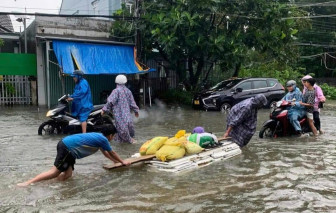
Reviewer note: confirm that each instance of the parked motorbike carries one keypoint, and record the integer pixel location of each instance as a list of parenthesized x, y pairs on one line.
[(62, 122), (279, 124)]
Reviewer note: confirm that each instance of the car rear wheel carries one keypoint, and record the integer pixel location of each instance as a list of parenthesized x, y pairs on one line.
[(225, 108), (272, 105)]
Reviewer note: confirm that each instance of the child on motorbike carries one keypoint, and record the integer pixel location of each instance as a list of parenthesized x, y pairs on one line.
[(319, 100), (308, 101)]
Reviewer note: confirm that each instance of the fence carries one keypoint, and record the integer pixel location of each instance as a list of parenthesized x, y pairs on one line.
[(14, 89)]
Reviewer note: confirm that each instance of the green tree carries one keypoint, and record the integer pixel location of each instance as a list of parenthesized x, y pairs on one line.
[(193, 34), (318, 39), (1, 42)]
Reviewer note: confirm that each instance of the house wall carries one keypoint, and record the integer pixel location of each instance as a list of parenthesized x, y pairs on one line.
[(72, 6), (66, 28), (41, 78), (11, 43), (73, 27), (90, 7)]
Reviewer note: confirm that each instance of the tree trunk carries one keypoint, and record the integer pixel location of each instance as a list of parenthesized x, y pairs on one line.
[(237, 69), (200, 65), (208, 72)]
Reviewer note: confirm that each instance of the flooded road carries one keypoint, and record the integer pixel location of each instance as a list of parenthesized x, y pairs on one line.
[(280, 175)]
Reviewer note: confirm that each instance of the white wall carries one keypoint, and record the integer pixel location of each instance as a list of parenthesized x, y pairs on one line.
[(90, 7)]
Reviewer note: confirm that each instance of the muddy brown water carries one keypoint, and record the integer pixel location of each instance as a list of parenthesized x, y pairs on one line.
[(278, 175)]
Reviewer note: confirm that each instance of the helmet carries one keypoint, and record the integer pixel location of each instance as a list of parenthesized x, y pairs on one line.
[(121, 79), (198, 129), (290, 83), (77, 72), (306, 78)]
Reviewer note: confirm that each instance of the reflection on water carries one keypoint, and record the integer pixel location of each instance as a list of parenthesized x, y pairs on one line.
[(280, 175)]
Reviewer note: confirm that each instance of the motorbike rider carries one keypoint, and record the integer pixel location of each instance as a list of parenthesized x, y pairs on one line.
[(81, 99), (297, 111)]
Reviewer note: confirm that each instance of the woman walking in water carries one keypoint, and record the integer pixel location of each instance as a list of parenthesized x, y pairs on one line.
[(122, 103)]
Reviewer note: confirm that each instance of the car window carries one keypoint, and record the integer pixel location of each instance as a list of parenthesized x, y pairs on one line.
[(260, 84), (225, 84), (272, 83), (245, 85)]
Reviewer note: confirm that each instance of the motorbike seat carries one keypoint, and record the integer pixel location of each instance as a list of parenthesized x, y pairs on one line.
[(70, 115), (97, 107)]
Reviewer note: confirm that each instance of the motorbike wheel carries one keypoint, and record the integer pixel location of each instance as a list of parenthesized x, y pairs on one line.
[(47, 128), (225, 108), (267, 131), (107, 119)]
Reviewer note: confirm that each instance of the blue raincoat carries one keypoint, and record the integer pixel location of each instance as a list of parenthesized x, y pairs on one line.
[(82, 100), (295, 112)]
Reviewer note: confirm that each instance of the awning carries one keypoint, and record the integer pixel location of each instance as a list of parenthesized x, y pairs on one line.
[(95, 59)]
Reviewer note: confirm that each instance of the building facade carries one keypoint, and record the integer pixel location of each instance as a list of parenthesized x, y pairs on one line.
[(93, 7)]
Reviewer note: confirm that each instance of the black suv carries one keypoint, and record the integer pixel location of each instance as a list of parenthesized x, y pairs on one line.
[(227, 93)]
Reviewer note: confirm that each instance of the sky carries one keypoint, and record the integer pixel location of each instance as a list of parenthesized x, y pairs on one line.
[(29, 6)]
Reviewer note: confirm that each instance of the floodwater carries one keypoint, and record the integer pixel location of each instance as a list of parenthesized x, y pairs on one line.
[(278, 175)]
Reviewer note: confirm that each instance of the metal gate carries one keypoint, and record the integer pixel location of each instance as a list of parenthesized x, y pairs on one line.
[(14, 89)]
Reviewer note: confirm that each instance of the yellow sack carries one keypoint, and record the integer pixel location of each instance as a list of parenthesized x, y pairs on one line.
[(170, 152), (174, 142), (180, 133), (151, 146), (192, 148), (144, 147)]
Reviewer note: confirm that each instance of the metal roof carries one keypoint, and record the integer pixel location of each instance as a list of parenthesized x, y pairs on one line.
[(6, 24)]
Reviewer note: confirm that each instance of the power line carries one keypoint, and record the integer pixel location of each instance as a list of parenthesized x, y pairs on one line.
[(68, 15), (312, 56), (41, 9), (310, 17), (325, 62), (313, 45), (316, 4)]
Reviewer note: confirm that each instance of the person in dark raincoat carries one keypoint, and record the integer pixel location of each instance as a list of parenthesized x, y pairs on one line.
[(122, 103), (81, 99), (242, 119)]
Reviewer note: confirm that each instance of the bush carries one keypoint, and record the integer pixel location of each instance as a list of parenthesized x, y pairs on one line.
[(273, 70), (283, 74), (177, 96), (328, 91)]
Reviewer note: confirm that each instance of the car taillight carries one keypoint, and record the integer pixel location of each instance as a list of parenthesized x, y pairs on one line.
[(282, 87)]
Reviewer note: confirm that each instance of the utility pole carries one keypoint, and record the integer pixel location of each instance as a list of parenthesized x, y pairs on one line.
[(25, 34), (137, 31), (23, 20)]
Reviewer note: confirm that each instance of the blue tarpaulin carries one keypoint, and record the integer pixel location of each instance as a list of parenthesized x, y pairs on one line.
[(96, 58)]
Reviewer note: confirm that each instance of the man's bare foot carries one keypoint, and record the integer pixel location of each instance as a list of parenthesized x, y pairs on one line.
[(23, 184), (133, 141), (321, 132)]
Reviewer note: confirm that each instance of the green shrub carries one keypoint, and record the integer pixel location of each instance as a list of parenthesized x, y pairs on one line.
[(10, 88), (273, 70), (283, 74), (177, 96), (328, 91)]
